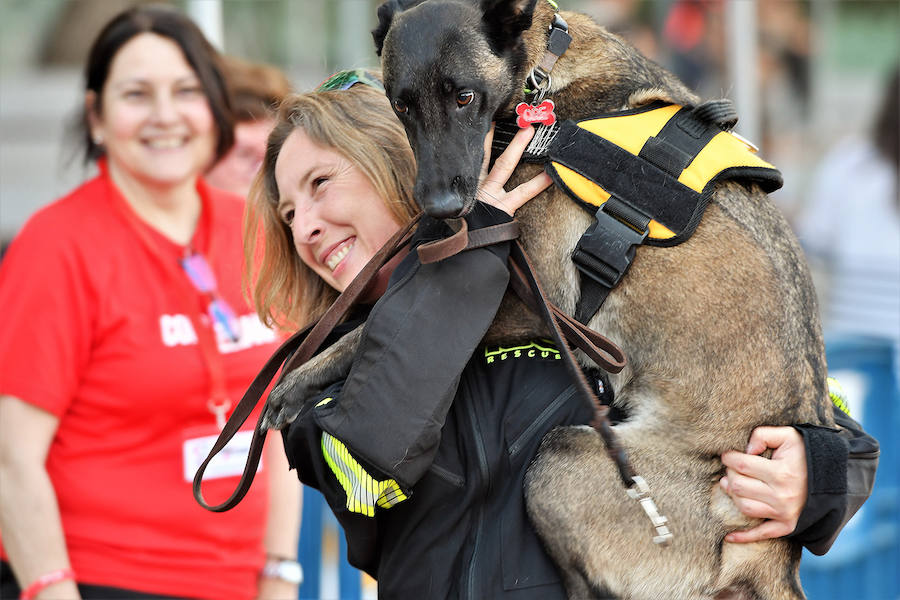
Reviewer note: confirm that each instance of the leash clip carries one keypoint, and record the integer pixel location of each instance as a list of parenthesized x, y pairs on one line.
[(640, 491), (557, 44)]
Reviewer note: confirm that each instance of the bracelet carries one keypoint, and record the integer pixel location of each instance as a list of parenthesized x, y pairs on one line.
[(286, 569), (45, 581)]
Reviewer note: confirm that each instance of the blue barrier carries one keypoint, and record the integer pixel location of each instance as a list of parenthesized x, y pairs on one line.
[(317, 523), (864, 563)]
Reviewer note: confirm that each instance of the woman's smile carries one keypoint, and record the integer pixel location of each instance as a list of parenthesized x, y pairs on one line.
[(334, 258), (166, 143)]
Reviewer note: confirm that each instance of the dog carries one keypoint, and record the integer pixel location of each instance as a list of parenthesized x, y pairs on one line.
[(721, 331)]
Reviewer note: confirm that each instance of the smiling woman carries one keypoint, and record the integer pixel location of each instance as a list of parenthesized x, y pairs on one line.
[(344, 222), (144, 341), (157, 130), (349, 174)]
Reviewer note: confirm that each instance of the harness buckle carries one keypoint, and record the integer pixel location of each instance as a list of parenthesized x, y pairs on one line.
[(606, 249)]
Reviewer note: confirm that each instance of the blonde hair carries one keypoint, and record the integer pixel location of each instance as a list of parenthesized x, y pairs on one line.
[(359, 124)]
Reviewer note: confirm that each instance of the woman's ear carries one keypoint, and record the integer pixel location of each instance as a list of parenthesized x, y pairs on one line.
[(91, 111)]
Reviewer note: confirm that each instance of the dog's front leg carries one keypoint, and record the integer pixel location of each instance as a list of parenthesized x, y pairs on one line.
[(307, 380)]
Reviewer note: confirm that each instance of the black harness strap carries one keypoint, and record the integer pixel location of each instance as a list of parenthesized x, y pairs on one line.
[(678, 142), (645, 188), (642, 188)]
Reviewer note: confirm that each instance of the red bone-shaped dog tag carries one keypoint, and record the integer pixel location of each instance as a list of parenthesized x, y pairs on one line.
[(529, 114)]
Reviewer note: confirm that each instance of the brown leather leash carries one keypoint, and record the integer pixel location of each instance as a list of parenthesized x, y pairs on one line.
[(526, 285), (600, 349), (306, 342), (464, 239), (606, 354)]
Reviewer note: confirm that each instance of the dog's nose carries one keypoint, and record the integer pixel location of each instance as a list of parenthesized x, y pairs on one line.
[(443, 205)]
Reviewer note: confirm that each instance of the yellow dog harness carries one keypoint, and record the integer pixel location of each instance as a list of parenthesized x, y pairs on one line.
[(646, 175)]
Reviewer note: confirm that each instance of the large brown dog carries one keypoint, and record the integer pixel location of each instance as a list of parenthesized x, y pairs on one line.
[(721, 331)]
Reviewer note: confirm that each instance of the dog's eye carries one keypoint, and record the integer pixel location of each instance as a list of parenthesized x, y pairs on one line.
[(464, 97), (400, 106)]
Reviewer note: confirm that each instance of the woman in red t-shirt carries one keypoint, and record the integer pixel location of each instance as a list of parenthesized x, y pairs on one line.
[(125, 340)]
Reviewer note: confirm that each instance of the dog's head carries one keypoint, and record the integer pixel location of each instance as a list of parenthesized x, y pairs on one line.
[(449, 65)]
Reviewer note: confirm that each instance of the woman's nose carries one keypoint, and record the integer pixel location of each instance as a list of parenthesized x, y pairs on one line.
[(307, 227), (164, 109)]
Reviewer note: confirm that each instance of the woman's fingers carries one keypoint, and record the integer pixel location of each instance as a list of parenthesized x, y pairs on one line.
[(768, 488), (763, 531), (526, 191), (752, 497), (506, 163), (491, 191), (486, 161)]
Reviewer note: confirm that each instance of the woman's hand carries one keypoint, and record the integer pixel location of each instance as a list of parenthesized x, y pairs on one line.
[(768, 488), (491, 191)]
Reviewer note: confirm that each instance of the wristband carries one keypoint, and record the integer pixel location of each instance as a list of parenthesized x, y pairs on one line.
[(45, 581)]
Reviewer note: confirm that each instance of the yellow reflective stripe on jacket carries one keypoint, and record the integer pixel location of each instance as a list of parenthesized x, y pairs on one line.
[(362, 490), (838, 396)]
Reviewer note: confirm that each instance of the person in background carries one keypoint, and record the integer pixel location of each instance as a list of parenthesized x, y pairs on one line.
[(850, 227), (124, 343), (256, 90), (336, 184)]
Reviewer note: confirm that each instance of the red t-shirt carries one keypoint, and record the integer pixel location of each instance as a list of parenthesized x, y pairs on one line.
[(94, 328)]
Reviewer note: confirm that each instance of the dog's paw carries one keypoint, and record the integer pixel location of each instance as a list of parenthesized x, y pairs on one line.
[(309, 379), (285, 401)]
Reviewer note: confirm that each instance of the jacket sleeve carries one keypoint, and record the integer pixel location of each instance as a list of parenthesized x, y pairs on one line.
[(335, 474), (841, 467), (417, 339), (414, 346)]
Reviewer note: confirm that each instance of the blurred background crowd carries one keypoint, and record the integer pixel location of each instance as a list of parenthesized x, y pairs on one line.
[(806, 75), (819, 70)]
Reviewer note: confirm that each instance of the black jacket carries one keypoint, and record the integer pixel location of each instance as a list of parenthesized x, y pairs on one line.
[(463, 532), (449, 453)]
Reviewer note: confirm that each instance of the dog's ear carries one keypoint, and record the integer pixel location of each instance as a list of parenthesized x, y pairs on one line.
[(505, 20), (386, 13)]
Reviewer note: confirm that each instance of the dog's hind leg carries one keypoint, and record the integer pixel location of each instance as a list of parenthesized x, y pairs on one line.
[(588, 523), (600, 538), (765, 570)]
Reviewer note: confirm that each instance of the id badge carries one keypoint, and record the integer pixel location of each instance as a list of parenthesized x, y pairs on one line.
[(229, 462)]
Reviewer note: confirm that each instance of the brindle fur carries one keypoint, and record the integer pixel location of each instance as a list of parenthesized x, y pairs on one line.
[(721, 331)]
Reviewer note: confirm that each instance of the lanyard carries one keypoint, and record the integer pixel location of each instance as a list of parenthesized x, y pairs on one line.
[(219, 402)]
